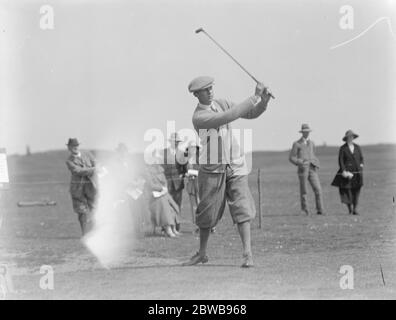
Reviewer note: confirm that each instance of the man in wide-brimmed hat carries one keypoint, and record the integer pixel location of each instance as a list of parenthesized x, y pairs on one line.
[(175, 169), (303, 156), (82, 186)]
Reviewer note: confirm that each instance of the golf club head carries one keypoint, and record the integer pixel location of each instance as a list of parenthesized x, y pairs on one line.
[(199, 30)]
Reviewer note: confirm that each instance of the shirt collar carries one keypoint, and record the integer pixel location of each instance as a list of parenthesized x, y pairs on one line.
[(205, 106)]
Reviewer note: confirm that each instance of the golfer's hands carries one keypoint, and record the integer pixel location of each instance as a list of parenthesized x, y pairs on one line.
[(260, 88), (263, 92), (266, 96)]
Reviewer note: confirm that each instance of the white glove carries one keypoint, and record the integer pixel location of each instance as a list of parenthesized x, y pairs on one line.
[(347, 174)]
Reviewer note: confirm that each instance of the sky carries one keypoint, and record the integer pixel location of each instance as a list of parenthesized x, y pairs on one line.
[(111, 71)]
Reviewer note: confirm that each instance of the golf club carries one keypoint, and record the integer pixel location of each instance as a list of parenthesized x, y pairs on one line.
[(225, 51)]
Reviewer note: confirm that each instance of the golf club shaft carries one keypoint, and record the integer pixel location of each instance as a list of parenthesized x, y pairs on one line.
[(228, 54)]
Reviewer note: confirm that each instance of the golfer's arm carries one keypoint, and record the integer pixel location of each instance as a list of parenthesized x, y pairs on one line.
[(84, 172), (256, 111), (213, 120)]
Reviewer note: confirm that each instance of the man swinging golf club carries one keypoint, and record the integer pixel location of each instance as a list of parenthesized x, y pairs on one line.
[(223, 170)]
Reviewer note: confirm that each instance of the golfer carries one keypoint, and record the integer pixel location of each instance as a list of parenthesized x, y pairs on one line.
[(223, 170)]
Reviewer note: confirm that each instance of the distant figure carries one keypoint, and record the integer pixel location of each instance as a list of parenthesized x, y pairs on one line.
[(139, 203), (122, 167), (349, 178), (28, 152), (163, 209), (175, 170), (303, 156), (131, 182), (83, 188), (123, 156)]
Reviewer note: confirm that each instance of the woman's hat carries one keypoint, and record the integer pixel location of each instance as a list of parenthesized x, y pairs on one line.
[(73, 142), (350, 133), (305, 128)]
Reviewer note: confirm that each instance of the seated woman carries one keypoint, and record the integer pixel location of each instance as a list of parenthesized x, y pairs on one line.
[(349, 178), (163, 209)]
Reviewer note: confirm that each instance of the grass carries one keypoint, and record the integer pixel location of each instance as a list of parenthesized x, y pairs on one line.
[(295, 256)]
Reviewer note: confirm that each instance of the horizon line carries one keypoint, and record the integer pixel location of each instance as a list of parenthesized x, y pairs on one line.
[(253, 151)]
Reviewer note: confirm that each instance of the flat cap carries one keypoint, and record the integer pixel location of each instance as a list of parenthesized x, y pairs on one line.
[(200, 83)]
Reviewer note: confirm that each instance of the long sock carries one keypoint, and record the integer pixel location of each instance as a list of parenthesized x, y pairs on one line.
[(244, 232), (203, 240)]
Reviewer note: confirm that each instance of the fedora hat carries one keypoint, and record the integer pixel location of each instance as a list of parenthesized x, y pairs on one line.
[(175, 137), (350, 133), (73, 142), (305, 128)]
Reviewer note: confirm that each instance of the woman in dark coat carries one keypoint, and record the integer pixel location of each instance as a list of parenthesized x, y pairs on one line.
[(349, 178)]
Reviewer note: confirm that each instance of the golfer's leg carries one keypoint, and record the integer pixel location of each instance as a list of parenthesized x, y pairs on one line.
[(211, 207), (242, 209), (244, 233), (204, 234), (193, 207)]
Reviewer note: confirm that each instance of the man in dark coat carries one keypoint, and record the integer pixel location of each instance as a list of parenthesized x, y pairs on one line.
[(83, 188), (349, 178)]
